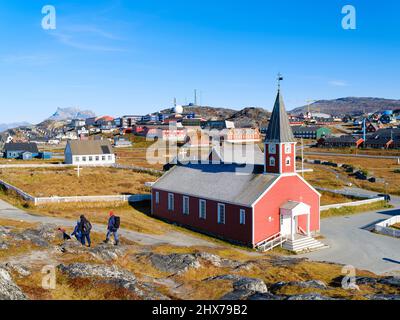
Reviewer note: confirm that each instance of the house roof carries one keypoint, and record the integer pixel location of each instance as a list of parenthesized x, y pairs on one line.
[(222, 182), (279, 128), (238, 153), (342, 139), (306, 129), (227, 153), (30, 147), (89, 147)]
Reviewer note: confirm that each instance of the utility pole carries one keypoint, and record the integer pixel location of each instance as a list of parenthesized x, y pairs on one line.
[(302, 157), (195, 97)]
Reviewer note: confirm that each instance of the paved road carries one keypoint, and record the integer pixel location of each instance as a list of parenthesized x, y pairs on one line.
[(7, 211), (349, 155), (351, 242)]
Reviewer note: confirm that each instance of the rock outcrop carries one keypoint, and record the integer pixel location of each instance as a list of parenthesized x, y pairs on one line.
[(314, 284), (114, 276), (8, 289), (174, 263)]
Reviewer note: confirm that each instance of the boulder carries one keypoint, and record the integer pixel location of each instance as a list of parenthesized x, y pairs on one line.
[(107, 252), (8, 289), (315, 284), (174, 263), (237, 295), (113, 276), (83, 270), (39, 236), (251, 284), (391, 281)]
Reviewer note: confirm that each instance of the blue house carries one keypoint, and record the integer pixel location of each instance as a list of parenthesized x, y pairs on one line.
[(25, 151)]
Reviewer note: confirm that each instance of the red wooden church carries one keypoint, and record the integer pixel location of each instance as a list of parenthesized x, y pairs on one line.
[(268, 206)]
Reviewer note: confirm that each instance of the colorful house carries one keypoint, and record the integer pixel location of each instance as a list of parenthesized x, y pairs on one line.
[(261, 205), (25, 151)]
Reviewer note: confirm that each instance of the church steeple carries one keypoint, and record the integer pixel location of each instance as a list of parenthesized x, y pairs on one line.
[(280, 144), (279, 129)]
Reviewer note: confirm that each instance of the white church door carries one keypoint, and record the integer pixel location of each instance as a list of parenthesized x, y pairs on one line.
[(286, 225)]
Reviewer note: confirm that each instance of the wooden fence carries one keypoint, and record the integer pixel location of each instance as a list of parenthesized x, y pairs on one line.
[(43, 200)]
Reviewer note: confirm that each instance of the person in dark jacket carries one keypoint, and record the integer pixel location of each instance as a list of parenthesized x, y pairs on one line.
[(77, 231), (112, 229), (85, 227)]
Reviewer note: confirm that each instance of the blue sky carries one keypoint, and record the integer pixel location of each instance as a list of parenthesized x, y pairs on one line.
[(132, 57)]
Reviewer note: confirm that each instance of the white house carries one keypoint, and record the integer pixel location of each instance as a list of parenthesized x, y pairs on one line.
[(89, 153)]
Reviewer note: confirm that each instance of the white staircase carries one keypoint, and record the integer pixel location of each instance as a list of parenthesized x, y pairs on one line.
[(271, 242), (302, 244)]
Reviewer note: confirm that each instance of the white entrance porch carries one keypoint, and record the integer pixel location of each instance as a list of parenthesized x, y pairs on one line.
[(290, 213)]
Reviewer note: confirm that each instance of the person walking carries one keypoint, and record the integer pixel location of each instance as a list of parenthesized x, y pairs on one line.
[(112, 228), (85, 229)]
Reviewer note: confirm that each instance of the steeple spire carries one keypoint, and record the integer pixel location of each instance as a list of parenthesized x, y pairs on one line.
[(279, 129)]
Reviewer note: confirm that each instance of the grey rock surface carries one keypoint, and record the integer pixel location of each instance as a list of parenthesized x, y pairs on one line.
[(174, 263), (8, 289)]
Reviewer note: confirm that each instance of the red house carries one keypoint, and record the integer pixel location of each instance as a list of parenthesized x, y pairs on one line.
[(261, 205)]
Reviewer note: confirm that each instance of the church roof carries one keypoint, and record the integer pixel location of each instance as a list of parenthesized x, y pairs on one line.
[(279, 129), (229, 183)]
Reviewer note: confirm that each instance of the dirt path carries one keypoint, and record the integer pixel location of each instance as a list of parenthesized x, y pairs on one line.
[(7, 211)]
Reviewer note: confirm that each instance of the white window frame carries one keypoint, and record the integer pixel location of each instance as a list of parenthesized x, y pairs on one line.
[(185, 205), (221, 218), (157, 197), (272, 149), (201, 215), (288, 148), (242, 216), (272, 161), (171, 200)]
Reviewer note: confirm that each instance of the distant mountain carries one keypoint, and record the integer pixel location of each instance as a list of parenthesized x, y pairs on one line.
[(7, 126), (208, 113), (251, 117), (71, 113), (351, 106)]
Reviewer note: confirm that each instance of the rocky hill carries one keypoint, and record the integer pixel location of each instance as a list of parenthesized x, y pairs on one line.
[(71, 113), (251, 117), (351, 106), (247, 117), (7, 126)]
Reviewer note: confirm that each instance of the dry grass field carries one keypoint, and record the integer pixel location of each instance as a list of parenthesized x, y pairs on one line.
[(354, 210), (379, 168), (45, 182), (372, 152)]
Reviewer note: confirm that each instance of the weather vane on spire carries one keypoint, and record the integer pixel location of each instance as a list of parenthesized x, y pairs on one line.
[(279, 78)]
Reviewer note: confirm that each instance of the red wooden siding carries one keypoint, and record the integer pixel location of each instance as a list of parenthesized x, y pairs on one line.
[(231, 230), (272, 169), (292, 167), (290, 188)]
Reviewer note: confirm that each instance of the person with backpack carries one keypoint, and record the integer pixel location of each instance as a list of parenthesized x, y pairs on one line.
[(85, 229), (112, 228)]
